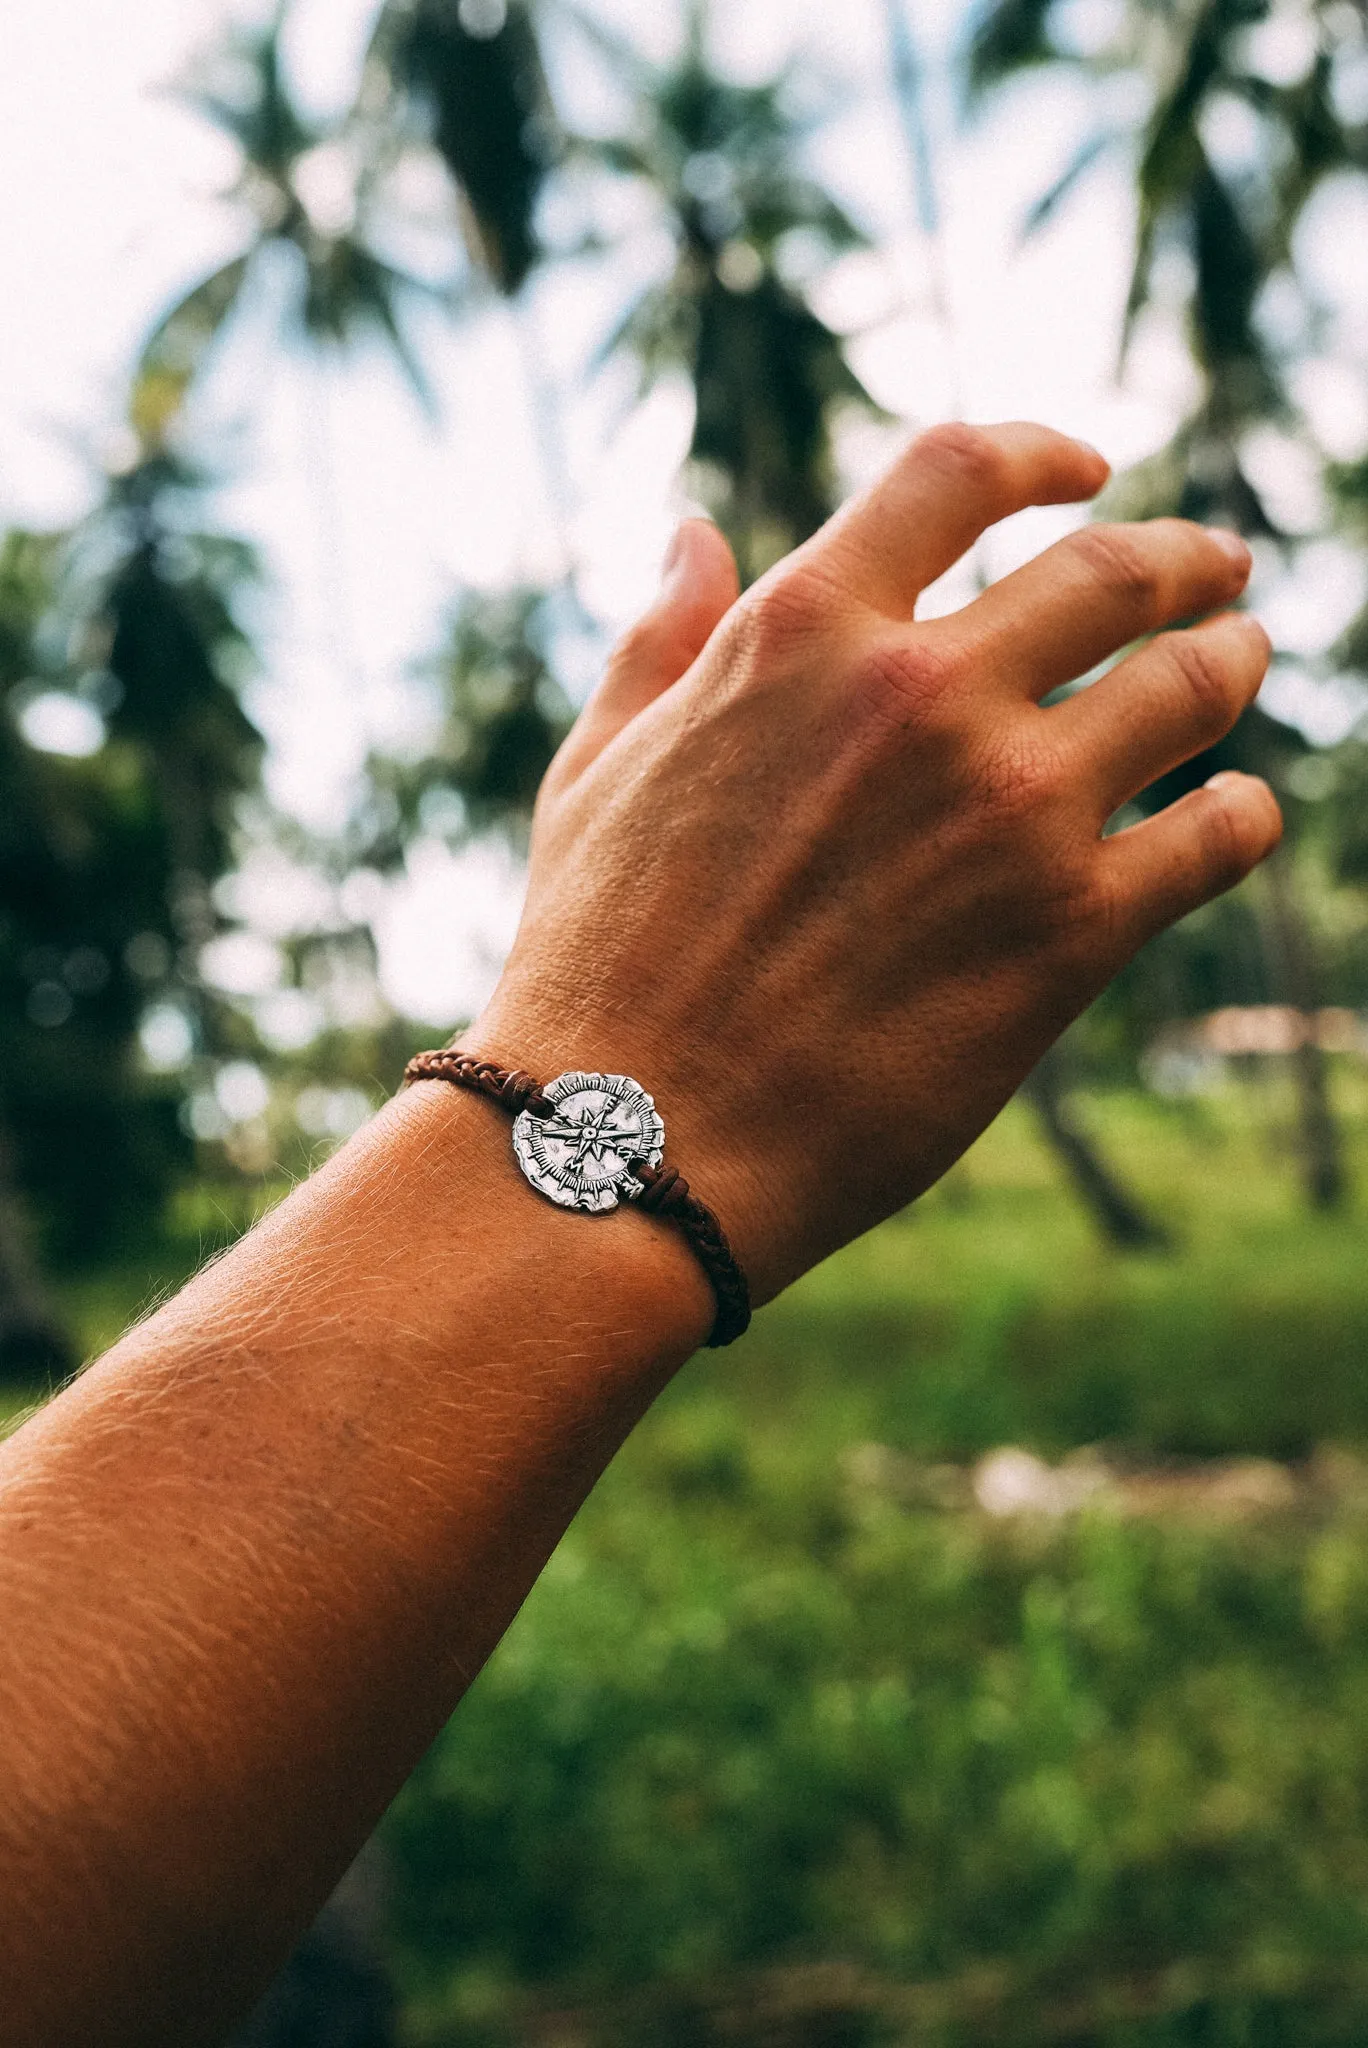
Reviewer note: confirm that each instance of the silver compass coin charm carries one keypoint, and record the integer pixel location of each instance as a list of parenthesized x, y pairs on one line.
[(580, 1157)]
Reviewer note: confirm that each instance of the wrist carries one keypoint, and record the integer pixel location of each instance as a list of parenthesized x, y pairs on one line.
[(622, 1287), (707, 1116)]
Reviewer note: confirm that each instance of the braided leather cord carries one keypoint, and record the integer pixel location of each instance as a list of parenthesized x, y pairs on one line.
[(514, 1091), (664, 1192)]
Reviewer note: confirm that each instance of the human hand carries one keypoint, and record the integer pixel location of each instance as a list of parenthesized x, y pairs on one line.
[(828, 881)]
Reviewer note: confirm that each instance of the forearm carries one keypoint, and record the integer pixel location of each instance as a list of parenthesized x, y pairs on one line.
[(249, 1562)]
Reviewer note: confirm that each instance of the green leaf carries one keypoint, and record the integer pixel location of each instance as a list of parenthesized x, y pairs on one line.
[(1089, 153), (488, 108), (174, 352), (350, 290), (1005, 39)]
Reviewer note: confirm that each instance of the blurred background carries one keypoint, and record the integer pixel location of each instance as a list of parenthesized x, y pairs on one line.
[(979, 1653)]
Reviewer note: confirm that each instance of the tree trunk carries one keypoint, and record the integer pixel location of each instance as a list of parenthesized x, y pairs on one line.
[(1296, 979), (1116, 1212)]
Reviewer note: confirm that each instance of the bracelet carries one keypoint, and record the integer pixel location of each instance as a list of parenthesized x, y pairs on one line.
[(590, 1141)]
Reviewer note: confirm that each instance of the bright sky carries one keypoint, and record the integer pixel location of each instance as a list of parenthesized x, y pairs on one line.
[(369, 518)]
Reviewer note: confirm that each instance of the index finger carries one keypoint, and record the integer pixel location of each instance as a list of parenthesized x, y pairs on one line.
[(947, 487)]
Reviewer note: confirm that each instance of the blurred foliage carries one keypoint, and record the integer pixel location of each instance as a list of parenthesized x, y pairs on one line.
[(1021, 1782), (724, 161), (1236, 227), (84, 1149), (1233, 223), (108, 863), (109, 866), (466, 80), (471, 78), (1099, 1786), (1232, 219), (344, 288), (501, 714)]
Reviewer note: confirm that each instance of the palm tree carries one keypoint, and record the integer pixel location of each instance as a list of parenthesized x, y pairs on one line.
[(155, 602), (1235, 222), (468, 79), (502, 715), (340, 286), (465, 79), (462, 80), (722, 162), (107, 865)]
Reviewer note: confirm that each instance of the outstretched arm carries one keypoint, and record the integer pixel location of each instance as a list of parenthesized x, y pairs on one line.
[(827, 882)]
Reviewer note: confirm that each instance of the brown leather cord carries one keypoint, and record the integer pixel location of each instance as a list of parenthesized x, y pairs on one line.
[(664, 1191), (514, 1091)]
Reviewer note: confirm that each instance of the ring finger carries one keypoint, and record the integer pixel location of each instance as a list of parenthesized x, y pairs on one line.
[(1090, 594)]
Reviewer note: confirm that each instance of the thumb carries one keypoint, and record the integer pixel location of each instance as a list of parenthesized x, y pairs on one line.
[(698, 588)]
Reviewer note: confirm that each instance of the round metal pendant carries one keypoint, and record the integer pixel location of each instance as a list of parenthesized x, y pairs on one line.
[(580, 1156)]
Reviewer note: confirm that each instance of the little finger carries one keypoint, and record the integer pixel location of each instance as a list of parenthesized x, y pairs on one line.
[(1156, 709), (1158, 871)]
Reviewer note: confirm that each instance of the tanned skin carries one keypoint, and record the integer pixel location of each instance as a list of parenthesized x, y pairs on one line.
[(824, 879)]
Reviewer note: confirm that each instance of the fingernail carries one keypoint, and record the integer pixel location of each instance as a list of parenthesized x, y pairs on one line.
[(676, 552), (1223, 778), (1233, 545), (1088, 448)]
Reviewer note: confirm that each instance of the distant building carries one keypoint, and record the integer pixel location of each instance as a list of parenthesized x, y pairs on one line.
[(1191, 1055)]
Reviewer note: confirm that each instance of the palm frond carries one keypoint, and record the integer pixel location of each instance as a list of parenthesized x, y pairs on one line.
[(240, 87), (349, 291), (1007, 37), (487, 107), (502, 713), (174, 351), (624, 60), (1044, 209)]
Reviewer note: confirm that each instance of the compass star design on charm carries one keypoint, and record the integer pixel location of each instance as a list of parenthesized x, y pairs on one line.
[(580, 1157)]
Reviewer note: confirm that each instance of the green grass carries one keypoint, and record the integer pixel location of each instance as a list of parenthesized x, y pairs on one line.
[(770, 1759), (1102, 1783), (992, 1313)]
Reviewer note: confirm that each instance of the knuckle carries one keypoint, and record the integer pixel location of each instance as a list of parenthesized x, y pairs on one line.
[(1209, 682), (1022, 780), (908, 682), (1226, 851), (1236, 836), (969, 454), (1119, 560), (785, 612)]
